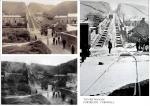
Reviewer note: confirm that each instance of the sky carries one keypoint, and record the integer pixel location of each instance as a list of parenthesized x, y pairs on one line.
[(39, 59), (53, 2), (114, 3)]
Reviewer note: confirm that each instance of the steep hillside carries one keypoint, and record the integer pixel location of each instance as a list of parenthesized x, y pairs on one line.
[(15, 8), (40, 70), (64, 8), (13, 67), (69, 67), (101, 8), (132, 11), (34, 47), (36, 7), (17, 67)]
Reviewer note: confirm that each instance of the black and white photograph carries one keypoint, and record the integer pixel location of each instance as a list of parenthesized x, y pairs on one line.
[(114, 48), (37, 80), (39, 26), (75, 52)]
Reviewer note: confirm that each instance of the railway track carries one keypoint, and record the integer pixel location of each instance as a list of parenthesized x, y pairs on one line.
[(99, 42), (118, 36)]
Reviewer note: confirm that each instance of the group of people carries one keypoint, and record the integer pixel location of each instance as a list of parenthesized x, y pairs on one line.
[(56, 40), (142, 46), (56, 94), (139, 46)]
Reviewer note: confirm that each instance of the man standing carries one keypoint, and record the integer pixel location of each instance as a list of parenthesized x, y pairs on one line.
[(64, 43), (109, 46), (72, 49), (137, 45)]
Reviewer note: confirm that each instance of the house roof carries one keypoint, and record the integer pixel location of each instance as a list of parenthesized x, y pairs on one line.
[(11, 16)]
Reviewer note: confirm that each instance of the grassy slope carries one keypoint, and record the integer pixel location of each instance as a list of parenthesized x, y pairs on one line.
[(36, 47)]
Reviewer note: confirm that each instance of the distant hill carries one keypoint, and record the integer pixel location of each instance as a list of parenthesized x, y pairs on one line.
[(14, 8), (13, 67), (64, 68), (64, 8), (18, 67), (98, 7), (36, 7), (132, 11)]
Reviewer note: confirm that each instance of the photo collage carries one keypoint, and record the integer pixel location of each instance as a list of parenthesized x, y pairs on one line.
[(74, 52)]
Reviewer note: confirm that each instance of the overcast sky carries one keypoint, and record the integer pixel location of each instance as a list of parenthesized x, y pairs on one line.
[(40, 59), (114, 3), (53, 2)]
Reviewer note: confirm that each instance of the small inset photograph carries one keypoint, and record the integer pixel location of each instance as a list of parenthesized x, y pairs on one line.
[(42, 80), (114, 48), (39, 26)]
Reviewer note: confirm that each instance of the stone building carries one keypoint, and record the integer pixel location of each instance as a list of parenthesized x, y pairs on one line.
[(70, 18), (13, 21)]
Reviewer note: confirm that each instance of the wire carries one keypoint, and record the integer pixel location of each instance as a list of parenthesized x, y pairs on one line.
[(136, 83), (100, 76)]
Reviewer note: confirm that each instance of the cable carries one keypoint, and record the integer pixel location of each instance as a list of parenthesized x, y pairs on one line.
[(100, 76), (92, 7), (136, 83), (135, 88)]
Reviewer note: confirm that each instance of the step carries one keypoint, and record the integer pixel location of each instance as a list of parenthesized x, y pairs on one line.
[(99, 45), (118, 39), (103, 35), (119, 45), (100, 42), (103, 38)]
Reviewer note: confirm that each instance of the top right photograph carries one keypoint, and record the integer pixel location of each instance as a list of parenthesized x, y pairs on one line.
[(114, 48)]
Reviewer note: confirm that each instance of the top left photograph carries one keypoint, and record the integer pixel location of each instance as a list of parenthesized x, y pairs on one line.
[(39, 26)]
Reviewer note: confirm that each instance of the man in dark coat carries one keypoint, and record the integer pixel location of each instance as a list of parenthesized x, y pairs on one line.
[(109, 46), (72, 49), (137, 45), (64, 43)]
